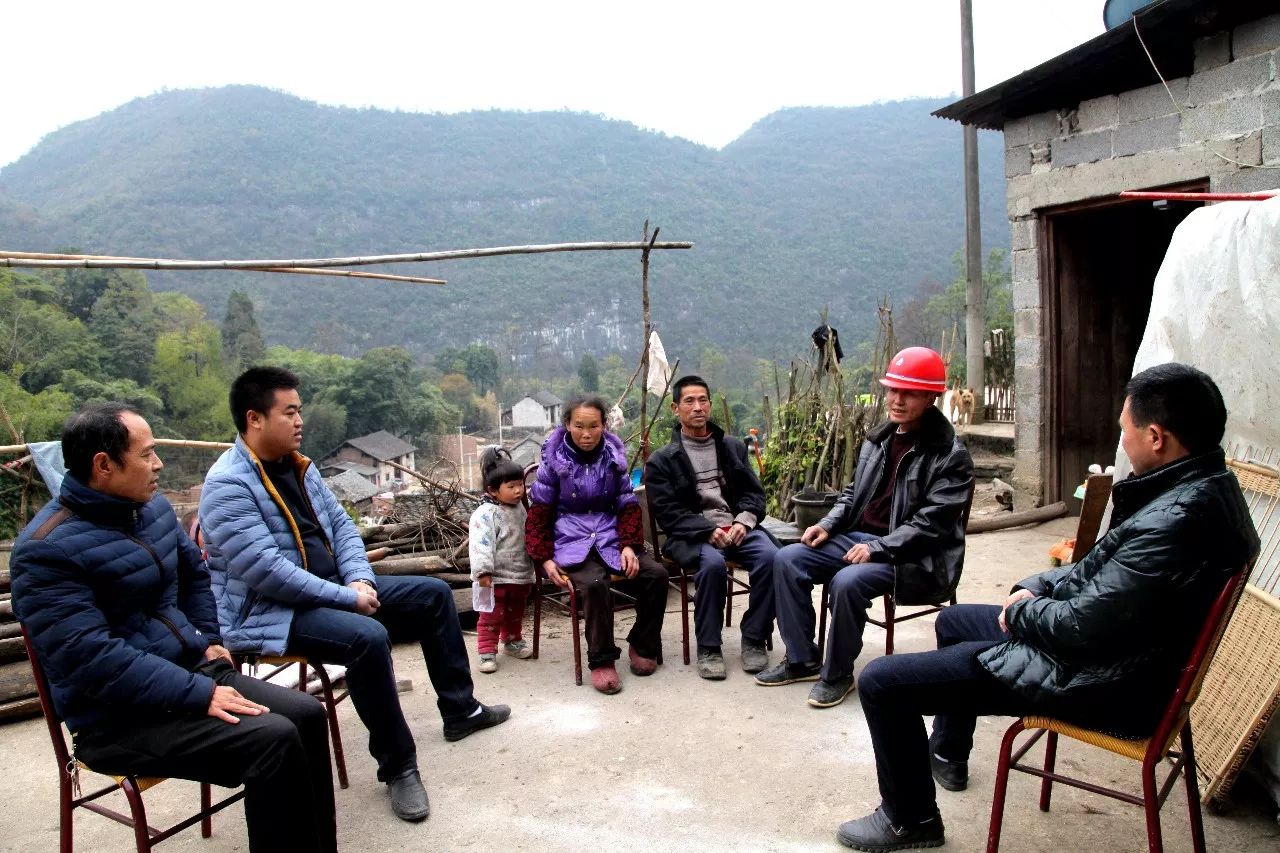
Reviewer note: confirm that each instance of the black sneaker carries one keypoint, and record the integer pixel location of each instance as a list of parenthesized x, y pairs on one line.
[(828, 694), (711, 664), (786, 672), (952, 775), (876, 833), (490, 715), (408, 797)]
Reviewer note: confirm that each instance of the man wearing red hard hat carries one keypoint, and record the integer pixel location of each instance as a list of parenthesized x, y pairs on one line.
[(897, 529)]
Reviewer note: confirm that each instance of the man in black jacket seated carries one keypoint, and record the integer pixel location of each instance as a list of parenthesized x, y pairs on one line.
[(705, 497), (1099, 642), (898, 528), (116, 600)]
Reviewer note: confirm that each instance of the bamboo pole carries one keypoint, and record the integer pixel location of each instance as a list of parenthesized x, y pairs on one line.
[(7, 259), (53, 256), (648, 244), (160, 442)]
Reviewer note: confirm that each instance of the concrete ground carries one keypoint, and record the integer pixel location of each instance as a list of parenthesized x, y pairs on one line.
[(671, 763)]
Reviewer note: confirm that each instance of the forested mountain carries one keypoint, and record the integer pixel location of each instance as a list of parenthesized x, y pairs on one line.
[(810, 207)]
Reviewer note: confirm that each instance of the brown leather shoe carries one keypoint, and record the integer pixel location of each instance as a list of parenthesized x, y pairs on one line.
[(640, 665)]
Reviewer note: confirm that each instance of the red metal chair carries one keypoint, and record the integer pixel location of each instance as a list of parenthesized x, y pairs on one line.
[(145, 836), (1174, 725), (891, 616), (327, 695)]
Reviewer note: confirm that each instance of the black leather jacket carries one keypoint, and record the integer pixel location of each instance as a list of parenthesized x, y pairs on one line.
[(673, 494), (1104, 639), (925, 542)]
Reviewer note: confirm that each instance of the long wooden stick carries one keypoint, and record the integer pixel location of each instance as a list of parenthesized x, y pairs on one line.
[(160, 442), (8, 259), (54, 256), (428, 481)]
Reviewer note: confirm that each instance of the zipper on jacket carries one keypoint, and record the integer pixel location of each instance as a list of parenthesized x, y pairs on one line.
[(166, 620), (174, 628)]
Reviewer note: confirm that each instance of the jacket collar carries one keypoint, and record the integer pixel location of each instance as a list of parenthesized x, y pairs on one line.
[(98, 507), (934, 430), (1136, 491)]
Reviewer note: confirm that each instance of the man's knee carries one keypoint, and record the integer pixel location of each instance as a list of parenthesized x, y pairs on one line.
[(859, 583), (786, 561), (875, 677), (711, 567), (368, 635)]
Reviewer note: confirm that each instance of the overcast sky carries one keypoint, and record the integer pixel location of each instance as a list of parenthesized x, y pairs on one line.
[(701, 69)]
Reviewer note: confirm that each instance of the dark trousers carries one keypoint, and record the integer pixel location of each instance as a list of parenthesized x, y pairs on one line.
[(413, 609), (592, 582), (853, 586), (755, 554), (281, 758), (898, 691), (506, 621)]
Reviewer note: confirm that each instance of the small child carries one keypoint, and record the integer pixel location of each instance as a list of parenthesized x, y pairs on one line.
[(498, 558)]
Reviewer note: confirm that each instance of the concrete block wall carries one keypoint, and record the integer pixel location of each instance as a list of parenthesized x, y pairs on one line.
[(1227, 110)]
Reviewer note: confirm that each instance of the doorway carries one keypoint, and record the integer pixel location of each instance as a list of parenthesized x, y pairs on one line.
[(1098, 272)]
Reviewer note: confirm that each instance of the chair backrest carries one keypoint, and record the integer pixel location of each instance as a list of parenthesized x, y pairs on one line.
[(1206, 645), (51, 718), (1097, 491)]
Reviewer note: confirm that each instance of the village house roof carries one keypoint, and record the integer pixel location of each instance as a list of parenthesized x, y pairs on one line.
[(1112, 62), (353, 467), (381, 445), (546, 398), (351, 487)]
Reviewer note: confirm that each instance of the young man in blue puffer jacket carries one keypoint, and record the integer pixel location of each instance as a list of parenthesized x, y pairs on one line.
[(116, 601), (290, 575)]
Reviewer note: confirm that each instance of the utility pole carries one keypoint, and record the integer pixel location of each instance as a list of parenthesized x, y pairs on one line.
[(975, 315)]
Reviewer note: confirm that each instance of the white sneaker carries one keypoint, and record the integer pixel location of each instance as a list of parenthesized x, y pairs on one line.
[(518, 649), (488, 663)]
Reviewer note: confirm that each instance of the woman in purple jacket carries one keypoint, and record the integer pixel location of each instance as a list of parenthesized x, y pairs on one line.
[(584, 528)]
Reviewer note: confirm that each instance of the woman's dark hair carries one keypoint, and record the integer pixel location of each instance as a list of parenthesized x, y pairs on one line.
[(95, 429), (579, 401), (1183, 400), (497, 467), (255, 390)]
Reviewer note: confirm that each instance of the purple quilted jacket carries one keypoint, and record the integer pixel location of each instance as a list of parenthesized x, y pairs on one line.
[(585, 497)]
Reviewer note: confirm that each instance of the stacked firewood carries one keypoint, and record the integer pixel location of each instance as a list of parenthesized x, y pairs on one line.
[(425, 535), (18, 698)]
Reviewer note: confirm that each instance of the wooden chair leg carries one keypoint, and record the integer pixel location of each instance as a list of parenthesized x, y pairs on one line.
[(141, 835), (822, 624), (684, 612), (1050, 761), (66, 823), (335, 733), (1151, 805), (1002, 786), (728, 597), (206, 802), (889, 611), (1193, 790), (577, 636)]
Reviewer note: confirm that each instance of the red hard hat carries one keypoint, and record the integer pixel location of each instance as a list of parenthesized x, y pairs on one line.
[(916, 369)]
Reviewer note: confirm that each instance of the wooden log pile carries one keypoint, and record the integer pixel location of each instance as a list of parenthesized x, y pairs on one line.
[(18, 699)]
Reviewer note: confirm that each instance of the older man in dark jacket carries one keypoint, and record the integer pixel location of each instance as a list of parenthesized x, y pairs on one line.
[(705, 497), (1099, 642), (116, 600), (897, 529)]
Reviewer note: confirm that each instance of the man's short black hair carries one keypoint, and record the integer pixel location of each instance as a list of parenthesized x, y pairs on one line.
[(94, 429), (684, 381), (1183, 400), (255, 390)]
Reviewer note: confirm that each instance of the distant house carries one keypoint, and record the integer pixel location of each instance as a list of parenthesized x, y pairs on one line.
[(527, 450), (351, 488), (372, 452), (540, 410)]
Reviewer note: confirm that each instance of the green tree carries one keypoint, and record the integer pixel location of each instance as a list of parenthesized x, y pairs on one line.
[(188, 374), (324, 426), (242, 343), (124, 322), (387, 391), (588, 373), (80, 287), (85, 389), (320, 374), (478, 363), (38, 340)]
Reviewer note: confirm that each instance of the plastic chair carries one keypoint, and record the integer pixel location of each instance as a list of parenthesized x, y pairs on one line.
[(891, 616), (327, 695), (1174, 725), (145, 836)]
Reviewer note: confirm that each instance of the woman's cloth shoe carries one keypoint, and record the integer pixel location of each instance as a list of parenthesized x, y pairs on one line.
[(518, 649), (711, 664), (876, 833), (605, 679), (408, 797), (640, 665), (488, 663)]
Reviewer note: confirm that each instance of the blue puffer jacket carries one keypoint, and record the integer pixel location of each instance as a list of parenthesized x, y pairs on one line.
[(256, 558), (116, 600)]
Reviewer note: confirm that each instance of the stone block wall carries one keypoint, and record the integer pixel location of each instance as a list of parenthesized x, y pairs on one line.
[(1224, 125)]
